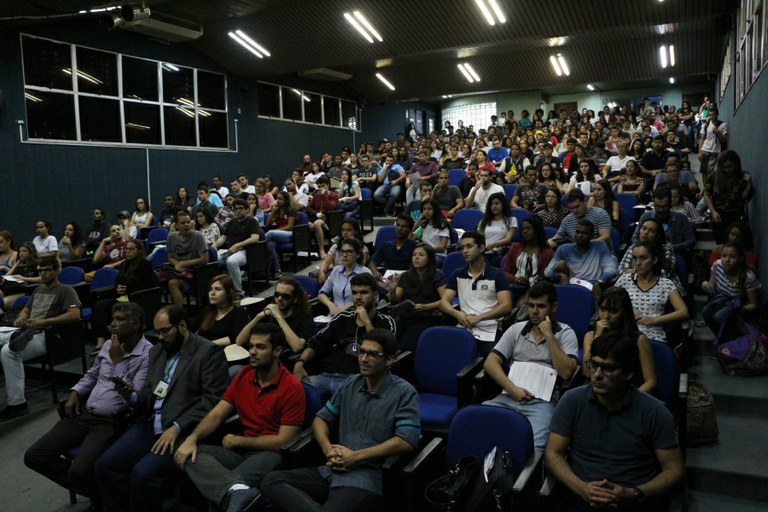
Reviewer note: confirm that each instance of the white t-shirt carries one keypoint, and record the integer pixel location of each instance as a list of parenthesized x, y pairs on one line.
[(482, 195), (496, 230), (431, 236), (49, 244), (711, 141), (617, 164)]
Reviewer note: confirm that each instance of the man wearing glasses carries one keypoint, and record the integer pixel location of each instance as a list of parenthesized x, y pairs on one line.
[(52, 304), (377, 415), (332, 354), (577, 203), (624, 452), (187, 377), (241, 231)]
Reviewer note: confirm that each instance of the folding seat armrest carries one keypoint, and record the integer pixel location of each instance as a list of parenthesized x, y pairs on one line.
[(528, 471), (428, 453), (548, 486), (465, 379), (298, 443)]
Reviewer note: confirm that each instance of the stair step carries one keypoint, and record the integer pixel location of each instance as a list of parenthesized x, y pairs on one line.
[(735, 467), (698, 501), (745, 397)]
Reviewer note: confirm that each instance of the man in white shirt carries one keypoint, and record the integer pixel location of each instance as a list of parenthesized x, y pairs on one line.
[(482, 190), (714, 133)]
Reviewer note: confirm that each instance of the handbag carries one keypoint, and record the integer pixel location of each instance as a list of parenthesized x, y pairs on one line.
[(746, 355), (449, 492), (492, 488), (701, 421)]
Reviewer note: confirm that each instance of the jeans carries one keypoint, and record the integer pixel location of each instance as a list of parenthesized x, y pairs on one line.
[(217, 469), (387, 195), (327, 384), (305, 489), (13, 364), (413, 193), (274, 238), (539, 414), (233, 262), (716, 313), (130, 477)]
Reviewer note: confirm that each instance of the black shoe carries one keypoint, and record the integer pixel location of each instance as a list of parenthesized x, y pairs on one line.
[(14, 411), (20, 341), (241, 500)]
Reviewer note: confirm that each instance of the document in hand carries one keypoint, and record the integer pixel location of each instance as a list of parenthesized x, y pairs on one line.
[(535, 377)]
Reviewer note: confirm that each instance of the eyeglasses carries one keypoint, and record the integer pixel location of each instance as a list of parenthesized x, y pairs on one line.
[(284, 296), (361, 352), (347, 251), (607, 369), (164, 331), (46, 269)]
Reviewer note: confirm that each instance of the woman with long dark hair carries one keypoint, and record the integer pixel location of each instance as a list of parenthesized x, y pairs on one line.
[(221, 320), (526, 260), (499, 226), (603, 197), (554, 210), (349, 195), (433, 229), (281, 220), (72, 243), (727, 191), (183, 200), (141, 217)]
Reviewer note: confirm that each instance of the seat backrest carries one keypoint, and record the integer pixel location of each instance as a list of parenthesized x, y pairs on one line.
[(667, 374), (509, 190), (383, 235), (309, 285), (576, 305), (157, 235), (549, 231), (104, 278), (616, 242), (453, 261), (302, 218), (71, 275), (477, 429), (520, 214), (467, 219), (19, 303), (313, 403), (213, 255), (441, 353), (455, 176), (160, 257), (365, 194)]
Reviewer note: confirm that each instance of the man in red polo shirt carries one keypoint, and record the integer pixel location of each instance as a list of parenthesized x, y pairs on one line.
[(270, 402)]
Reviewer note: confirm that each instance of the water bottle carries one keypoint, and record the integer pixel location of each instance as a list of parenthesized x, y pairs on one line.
[(260, 216)]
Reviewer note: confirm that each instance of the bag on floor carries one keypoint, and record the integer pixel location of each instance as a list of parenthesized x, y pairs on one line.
[(494, 490), (745, 355), (449, 492), (701, 419)]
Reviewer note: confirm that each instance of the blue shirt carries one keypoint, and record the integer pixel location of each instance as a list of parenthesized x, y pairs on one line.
[(597, 264), (393, 258), (337, 285)]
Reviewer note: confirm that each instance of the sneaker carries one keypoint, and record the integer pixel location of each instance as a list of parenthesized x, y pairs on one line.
[(241, 500), (14, 411), (20, 341)]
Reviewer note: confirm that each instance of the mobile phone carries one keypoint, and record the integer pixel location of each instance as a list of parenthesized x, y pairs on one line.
[(120, 382)]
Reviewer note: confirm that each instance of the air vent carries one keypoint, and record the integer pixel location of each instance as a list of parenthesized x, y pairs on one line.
[(325, 75)]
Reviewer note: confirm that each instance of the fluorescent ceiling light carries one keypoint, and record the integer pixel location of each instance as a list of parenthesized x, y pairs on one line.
[(469, 72), (486, 10), (245, 45), (563, 65), (385, 81), (363, 26), (446, 96), (590, 87), (663, 56), (249, 44), (555, 65), (253, 43), (672, 55), (672, 80), (667, 55), (559, 65)]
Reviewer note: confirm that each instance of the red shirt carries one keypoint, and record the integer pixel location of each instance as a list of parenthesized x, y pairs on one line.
[(263, 410)]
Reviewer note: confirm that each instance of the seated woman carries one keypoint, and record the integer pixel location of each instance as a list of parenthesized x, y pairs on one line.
[(207, 226), (417, 296), (652, 231), (336, 293), (349, 228), (737, 233), (134, 273), (680, 203), (498, 226), (72, 243), (632, 182), (183, 200), (548, 177), (733, 289), (270, 187), (615, 314), (25, 270), (290, 311), (280, 224), (554, 210), (323, 201), (585, 178), (142, 217), (8, 254), (45, 243), (433, 229), (221, 320), (650, 293), (526, 260), (349, 195), (603, 198), (264, 199)]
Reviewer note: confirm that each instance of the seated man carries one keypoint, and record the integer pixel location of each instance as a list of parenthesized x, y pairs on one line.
[(205, 201), (395, 255), (98, 231), (588, 260), (530, 194), (241, 231), (483, 292), (672, 172), (187, 376), (448, 197), (676, 225), (483, 189), (111, 250), (391, 178), (414, 207), (52, 304), (377, 414), (367, 173), (226, 213), (89, 426), (540, 340), (423, 169), (270, 404), (299, 199), (167, 217), (333, 351), (624, 452), (577, 203), (186, 250)]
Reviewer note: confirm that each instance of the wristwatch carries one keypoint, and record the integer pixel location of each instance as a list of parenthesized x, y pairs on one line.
[(639, 494)]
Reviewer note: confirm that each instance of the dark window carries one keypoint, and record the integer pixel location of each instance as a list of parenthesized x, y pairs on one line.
[(269, 100), (178, 86), (331, 109), (50, 116), (99, 120), (96, 72), (179, 126), (213, 130), (211, 90), (292, 99), (140, 79), (312, 108), (45, 62), (349, 114), (142, 123)]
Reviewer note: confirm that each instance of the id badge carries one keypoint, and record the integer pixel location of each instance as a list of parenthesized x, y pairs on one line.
[(161, 390)]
